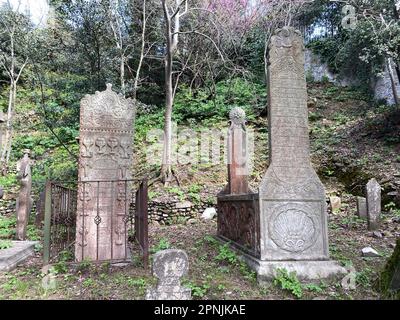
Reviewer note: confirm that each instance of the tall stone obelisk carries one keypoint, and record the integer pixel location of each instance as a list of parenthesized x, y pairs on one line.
[(293, 216)]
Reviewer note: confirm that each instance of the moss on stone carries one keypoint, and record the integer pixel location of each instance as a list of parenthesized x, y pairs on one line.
[(387, 274)]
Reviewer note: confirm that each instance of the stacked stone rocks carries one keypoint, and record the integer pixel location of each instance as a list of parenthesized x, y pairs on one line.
[(171, 210)]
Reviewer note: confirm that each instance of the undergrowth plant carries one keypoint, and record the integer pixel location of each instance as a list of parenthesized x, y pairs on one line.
[(289, 282)]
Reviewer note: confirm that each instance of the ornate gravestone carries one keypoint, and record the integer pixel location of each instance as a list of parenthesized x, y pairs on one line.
[(238, 220), (290, 217), (24, 201), (106, 134), (169, 267), (373, 204)]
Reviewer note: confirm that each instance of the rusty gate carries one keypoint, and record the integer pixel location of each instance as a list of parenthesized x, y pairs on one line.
[(62, 211)]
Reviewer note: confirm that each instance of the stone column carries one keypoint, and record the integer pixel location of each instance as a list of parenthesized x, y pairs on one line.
[(237, 153), (24, 201), (373, 204), (293, 214), (362, 207), (105, 158)]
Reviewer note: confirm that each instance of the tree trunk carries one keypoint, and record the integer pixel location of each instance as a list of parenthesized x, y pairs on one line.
[(166, 168), (7, 140), (122, 74), (393, 82), (137, 76)]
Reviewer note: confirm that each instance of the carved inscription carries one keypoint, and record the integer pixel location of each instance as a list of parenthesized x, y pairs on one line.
[(292, 198)]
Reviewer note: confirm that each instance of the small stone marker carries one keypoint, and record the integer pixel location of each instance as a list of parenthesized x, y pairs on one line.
[(169, 267), (373, 204), (49, 280), (362, 207), (336, 203), (377, 235), (24, 201), (369, 252)]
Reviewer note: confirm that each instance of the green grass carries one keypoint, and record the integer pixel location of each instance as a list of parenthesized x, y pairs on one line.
[(5, 244)]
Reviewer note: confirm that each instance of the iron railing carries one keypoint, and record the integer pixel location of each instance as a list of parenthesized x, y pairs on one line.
[(95, 220)]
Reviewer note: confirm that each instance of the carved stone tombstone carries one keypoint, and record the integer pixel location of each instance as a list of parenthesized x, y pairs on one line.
[(373, 204), (169, 266), (24, 201), (237, 153), (106, 135), (362, 207), (294, 233)]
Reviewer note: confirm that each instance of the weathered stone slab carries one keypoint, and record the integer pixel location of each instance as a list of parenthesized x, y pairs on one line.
[(20, 251), (24, 201), (335, 203), (292, 197), (373, 204), (169, 266), (106, 135), (362, 207)]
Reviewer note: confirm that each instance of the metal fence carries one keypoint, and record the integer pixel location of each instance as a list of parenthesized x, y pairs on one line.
[(95, 220), (141, 221), (60, 220)]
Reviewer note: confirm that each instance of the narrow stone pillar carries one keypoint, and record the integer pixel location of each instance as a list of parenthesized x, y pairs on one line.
[(362, 207), (237, 153), (373, 204)]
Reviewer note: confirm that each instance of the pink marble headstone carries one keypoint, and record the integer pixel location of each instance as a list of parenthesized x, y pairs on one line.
[(105, 158)]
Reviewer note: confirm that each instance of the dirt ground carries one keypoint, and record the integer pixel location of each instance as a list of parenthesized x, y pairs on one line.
[(215, 271)]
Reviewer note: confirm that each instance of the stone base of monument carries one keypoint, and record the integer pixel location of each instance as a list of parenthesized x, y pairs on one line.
[(305, 270), (20, 251)]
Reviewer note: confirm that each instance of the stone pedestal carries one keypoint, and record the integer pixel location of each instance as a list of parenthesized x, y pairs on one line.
[(305, 270)]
